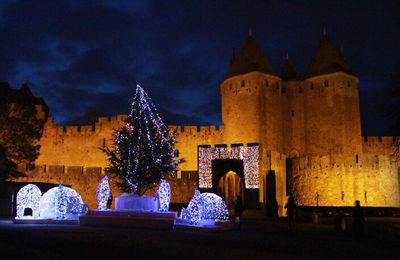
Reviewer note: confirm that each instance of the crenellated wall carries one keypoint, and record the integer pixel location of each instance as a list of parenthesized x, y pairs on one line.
[(77, 145), (378, 144), (340, 180), (314, 123)]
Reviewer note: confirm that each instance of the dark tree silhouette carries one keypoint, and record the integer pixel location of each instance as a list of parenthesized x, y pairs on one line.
[(20, 129)]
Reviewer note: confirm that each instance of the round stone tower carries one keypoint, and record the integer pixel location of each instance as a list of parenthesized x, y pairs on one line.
[(250, 79), (331, 104)]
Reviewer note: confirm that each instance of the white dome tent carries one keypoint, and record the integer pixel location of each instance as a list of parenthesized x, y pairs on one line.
[(28, 197)]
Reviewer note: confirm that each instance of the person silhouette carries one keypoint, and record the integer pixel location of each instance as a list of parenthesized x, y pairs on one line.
[(290, 207), (238, 212), (358, 220), (109, 200)]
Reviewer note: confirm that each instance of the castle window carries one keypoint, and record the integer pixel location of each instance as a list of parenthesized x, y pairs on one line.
[(104, 142), (300, 90), (292, 112), (176, 153), (266, 83), (283, 90), (312, 86), (243, 83), (356, 158), (326, 83)]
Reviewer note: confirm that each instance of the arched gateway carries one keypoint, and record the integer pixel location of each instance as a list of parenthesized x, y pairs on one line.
[(227, 178), (243, 161)]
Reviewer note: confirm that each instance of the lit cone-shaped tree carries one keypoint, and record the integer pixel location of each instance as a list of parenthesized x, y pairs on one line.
[(143, 151)]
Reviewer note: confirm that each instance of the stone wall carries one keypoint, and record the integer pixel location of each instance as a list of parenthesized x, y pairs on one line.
[(316, 122), (340, 180), (86, 180)]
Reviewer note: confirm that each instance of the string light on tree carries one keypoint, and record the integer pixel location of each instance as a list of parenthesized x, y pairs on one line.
[(144, 148), (195, 208)]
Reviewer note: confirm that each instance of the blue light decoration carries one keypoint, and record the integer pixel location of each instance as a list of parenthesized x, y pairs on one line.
[(62, 202), (214, 207), (185, 214), (28, 197), (103, 193), (164, 195), (205, 206), (195, 208)]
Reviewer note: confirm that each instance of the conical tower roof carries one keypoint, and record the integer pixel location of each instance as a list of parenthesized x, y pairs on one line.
[(26, 91), (288, 71), (327, 59), (250, 59)]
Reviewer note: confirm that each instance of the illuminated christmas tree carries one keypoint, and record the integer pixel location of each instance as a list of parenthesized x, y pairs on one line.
[(143, 152)]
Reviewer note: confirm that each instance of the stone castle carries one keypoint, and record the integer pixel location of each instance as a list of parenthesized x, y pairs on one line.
[(280, 135)]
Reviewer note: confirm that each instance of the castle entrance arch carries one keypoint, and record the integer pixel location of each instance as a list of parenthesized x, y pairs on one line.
[(227, 179), (215, 162), (229, 187)]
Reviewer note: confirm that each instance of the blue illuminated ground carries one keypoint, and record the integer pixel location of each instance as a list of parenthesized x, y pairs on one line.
[(260, 238)]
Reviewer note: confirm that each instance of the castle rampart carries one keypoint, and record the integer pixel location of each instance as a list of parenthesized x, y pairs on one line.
[(338, 180), (307, 128)]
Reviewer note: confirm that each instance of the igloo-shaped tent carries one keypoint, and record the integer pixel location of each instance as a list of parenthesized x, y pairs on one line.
[(74, 204), (28, 197), (205, 206)]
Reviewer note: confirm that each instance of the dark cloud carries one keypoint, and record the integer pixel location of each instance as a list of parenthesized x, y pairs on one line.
[(85, 57)]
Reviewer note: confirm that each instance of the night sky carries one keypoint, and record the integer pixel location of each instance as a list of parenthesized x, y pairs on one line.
[(85, 57)]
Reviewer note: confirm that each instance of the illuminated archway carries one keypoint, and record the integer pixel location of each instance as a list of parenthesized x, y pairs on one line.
[(230, 186), (248, 155)]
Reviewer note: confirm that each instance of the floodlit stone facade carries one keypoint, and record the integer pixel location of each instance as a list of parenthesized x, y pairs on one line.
[(307, 130)]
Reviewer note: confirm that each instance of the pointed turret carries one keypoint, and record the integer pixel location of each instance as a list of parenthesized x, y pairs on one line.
[(288, 71), (327, 59), (26, 91), (250, 59)]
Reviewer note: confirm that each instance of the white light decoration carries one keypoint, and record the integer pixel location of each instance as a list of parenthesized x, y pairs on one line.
[(60, 202), (249, 155), (195, 208), (184, 214), (74, 206), (213, 207), (103, 194), (28, 197), (164, 195), (205, 206), (144, 143)]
